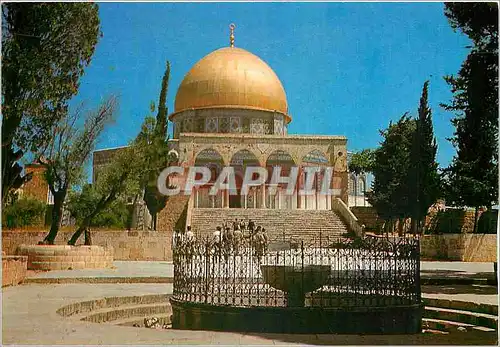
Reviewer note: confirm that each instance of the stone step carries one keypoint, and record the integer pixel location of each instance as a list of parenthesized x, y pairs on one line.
[(128, 311), (450, 326), (85, 307), (296, 223), (128, 322), (461, 305), (432, 331), (461, 316)]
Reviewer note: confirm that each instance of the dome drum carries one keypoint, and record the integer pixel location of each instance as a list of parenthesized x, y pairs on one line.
[(214, 120)]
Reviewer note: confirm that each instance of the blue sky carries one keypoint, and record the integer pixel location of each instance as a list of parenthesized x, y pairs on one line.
[(347, 68)]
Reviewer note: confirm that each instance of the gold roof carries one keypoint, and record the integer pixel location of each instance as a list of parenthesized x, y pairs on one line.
[(231, 77)]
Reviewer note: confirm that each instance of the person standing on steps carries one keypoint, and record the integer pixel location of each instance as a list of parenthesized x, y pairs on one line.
[(251, 226)]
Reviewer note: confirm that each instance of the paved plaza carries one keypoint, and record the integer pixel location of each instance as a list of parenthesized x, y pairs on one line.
[(29, 311), (158, 269)]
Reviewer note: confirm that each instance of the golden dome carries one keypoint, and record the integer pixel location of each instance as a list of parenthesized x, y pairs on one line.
[(231, 78)]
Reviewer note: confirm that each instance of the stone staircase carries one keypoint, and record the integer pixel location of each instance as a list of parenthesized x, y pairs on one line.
[(122, 310), (298, 224), (451, 316)]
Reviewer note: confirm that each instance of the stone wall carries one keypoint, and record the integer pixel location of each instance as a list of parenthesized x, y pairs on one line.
[(13, 269), (459, 247), (367, 216), (127, 245)]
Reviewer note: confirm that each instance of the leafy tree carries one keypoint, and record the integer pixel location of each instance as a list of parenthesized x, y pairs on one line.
[(116, 215), (45, 48), (25, 211), (155, 201), (390, 190), (121, 178), (477, 20), (66, 154), (423, 175), (362, 161), (472, 177)]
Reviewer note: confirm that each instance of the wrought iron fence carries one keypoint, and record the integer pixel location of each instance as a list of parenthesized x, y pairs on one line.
[(254, 271)]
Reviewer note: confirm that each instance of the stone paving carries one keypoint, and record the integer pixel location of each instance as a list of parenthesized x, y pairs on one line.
[(120, 269), (29, 317), (29, 312), (158, 269)]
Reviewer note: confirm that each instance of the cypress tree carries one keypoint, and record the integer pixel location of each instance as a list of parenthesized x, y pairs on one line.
[(155, 202), (472, 177), (423, 175)]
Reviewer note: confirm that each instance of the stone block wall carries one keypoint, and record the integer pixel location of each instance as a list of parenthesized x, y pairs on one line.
[(64, 257), (367, 216), (459, 247), (127, 245), (13, 269)]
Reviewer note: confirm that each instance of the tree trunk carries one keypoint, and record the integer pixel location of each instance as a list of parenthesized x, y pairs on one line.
[(85, 224), (476, 213), (76, 235), (400, 227), (154, 220), (88, 237), (56, 217), (414, 226)]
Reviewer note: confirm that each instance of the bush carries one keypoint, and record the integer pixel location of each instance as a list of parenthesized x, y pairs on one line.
[(447, 222), (115, 216), (487, 223), (24, 212)]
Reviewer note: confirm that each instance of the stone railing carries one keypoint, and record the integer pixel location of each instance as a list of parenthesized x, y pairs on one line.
[(348, 217), (189, 212)]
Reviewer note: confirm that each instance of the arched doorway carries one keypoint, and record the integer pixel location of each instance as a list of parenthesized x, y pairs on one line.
[(240, 161), (213, 160), (276, 197), (315, 201)]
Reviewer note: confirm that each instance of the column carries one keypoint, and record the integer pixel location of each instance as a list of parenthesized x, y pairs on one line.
[(226, 198), (197, 197), (263, 205)]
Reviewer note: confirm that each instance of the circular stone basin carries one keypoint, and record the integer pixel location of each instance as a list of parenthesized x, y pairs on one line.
[(65, 257), (296, 281)]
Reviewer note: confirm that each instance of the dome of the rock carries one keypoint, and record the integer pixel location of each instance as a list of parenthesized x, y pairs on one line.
[(231, 77)]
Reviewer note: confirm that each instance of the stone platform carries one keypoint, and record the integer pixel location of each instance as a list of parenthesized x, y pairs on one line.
[(59, 257), (13, 269)]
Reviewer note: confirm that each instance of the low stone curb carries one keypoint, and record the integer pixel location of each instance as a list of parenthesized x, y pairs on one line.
[(66, 280), (439, 281), (98, 280)]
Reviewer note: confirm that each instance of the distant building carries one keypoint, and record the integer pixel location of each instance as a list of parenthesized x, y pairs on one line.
[(36, 188), (358, 186)]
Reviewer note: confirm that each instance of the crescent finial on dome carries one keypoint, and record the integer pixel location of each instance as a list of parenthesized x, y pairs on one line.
[(231, 35)]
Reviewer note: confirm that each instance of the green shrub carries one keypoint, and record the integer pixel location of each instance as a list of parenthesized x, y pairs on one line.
[(115, 216), (487, 223), (447, 222), (24, 212)]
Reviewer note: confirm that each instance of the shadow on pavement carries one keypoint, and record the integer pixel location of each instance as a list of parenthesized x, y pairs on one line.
[(457, 338), (461, 289)]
